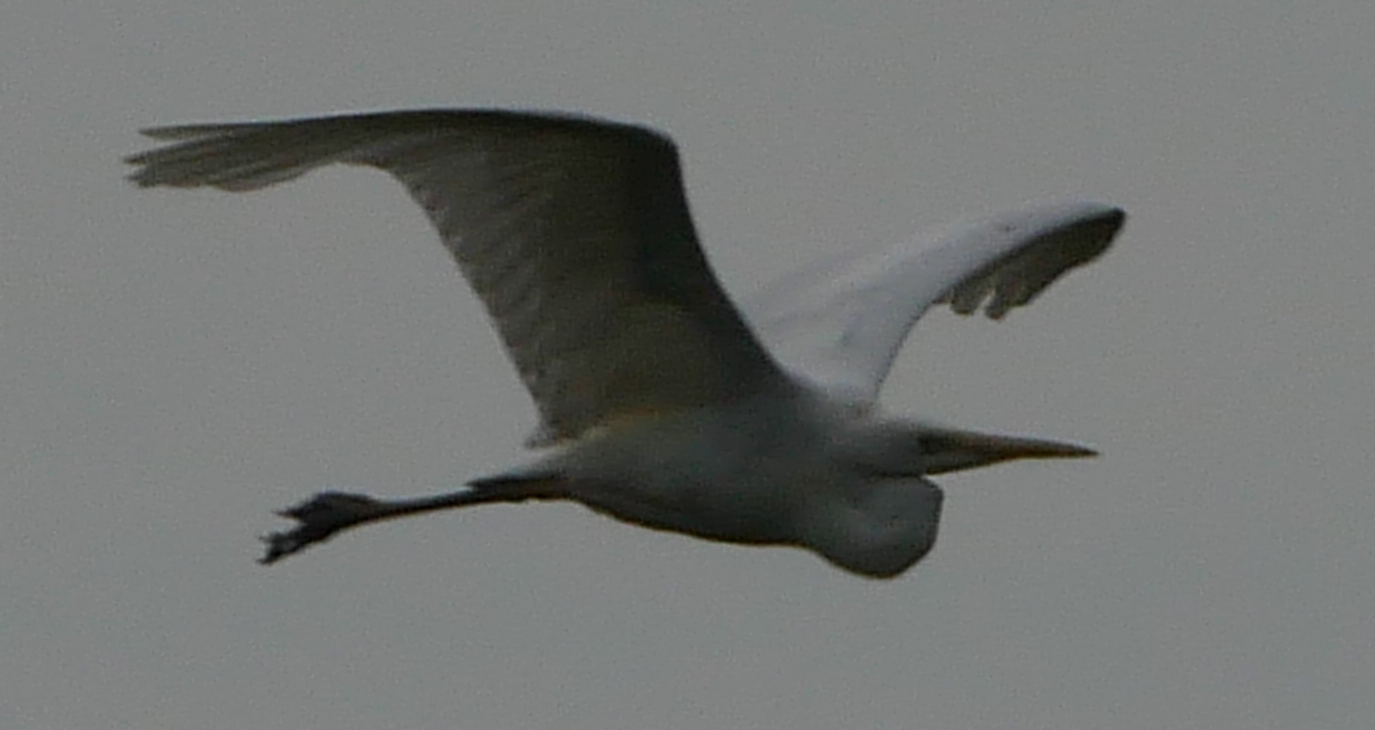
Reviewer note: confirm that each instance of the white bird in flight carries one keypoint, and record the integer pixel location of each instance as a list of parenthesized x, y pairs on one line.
[(659, 403)]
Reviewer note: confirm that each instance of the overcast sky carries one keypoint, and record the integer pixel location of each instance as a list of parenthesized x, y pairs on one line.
[(175, 365)]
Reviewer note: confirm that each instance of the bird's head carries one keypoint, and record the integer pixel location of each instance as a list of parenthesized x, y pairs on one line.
[(879, 515)]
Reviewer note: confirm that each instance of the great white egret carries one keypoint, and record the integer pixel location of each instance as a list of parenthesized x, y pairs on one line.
[(659, 403)]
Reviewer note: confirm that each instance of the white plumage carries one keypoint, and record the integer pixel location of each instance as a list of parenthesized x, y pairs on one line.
[(659, 404)]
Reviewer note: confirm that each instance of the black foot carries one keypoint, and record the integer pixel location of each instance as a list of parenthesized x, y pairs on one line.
[(320, 517)]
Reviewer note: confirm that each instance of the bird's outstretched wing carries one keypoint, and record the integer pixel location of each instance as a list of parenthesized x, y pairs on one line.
[(841, 321), (575, 233)]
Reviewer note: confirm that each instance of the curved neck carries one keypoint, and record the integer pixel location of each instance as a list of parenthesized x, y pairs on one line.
[(879, 528)]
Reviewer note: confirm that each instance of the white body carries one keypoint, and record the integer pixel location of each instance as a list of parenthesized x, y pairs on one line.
[(782, 467)]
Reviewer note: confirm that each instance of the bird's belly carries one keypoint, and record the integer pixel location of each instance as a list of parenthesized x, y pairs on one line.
[(731, 477), (712, 511)]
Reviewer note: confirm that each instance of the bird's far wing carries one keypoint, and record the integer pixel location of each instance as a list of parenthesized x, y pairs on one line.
[(841, 322), (574, 232)]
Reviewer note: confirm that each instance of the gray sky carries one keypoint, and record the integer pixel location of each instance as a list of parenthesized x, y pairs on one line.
[(176, 365)]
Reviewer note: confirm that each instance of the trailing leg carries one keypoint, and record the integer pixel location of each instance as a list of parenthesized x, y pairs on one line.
[(328, 513)]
